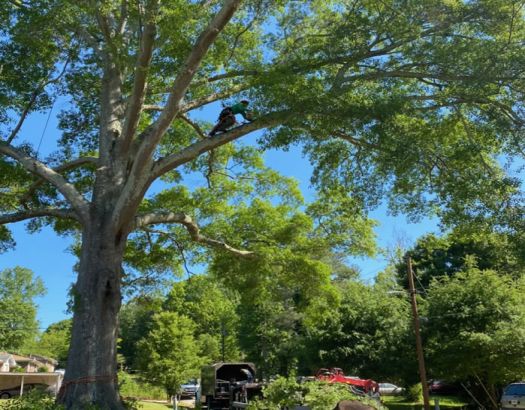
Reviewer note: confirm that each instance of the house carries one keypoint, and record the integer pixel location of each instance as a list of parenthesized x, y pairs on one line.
[(27, 364), (7, 362), (48, 363), (35, 363), (18, 371)]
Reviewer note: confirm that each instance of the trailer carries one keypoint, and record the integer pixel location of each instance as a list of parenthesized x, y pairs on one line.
[(358, 385)]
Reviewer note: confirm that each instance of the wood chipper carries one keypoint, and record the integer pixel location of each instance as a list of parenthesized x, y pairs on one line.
[(228, 386)]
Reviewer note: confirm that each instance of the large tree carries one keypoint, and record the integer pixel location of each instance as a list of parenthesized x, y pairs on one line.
[(412, 100)]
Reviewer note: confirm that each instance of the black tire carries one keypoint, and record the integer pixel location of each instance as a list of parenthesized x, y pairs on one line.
[(5, 395)]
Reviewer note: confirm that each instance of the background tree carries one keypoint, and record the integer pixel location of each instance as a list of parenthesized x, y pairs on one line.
[(135, 321), (410, 101), (213, 309), (54, 342), (476, 328), (18, 290), (168, 354), (369, 334), (436, 256)]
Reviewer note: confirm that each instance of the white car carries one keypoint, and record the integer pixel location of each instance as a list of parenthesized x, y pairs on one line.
[(190, 389), (513, 397), (389, 389)]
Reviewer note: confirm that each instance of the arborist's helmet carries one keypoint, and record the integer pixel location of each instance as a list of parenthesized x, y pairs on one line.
[(245, 102)]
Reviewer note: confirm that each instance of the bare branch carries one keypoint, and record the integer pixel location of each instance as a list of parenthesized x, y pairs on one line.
[(152, 107), (37, 213), (191, 152), (36, 167), (230, 74), (143, 221), (214, 97), (194, 125), (61, 168), (191, 105), (23, 116), (123, 17), (141, 72)]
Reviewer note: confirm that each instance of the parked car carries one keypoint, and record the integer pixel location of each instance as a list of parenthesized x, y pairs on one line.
[(15, 391), (513, 396), (190, 388), (389, 389), (441, 387)]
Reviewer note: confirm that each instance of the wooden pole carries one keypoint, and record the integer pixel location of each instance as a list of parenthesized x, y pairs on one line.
[(419, 344)]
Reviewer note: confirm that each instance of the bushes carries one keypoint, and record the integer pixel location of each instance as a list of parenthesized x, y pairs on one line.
[(287, 393), (33, 399), (39, 400), (414, 393)]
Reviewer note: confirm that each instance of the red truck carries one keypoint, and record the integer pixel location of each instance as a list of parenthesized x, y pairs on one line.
[(336, 375)]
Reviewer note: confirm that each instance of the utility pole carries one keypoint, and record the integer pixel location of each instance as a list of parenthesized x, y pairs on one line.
[(419, 345)]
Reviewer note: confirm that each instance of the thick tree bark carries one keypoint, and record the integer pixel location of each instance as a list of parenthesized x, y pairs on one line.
[(91, 371)]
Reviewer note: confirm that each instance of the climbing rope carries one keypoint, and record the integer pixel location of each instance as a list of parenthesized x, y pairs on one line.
[(45, 127), (85, 380)]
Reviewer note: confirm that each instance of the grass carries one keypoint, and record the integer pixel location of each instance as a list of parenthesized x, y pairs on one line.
[(144, 405), (153, 406), (445, 402), (132, 386)]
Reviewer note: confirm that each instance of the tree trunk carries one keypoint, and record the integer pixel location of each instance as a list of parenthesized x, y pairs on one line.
[(91, 369)]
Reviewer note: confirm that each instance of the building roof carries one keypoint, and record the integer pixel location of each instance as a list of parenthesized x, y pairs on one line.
[(6, 357), (37, 359)]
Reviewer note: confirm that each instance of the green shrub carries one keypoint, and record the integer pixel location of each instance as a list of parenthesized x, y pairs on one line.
[(287, 393), (414, 393), (32, 400)]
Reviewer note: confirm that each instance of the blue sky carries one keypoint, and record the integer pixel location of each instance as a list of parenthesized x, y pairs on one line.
[(47, 255)]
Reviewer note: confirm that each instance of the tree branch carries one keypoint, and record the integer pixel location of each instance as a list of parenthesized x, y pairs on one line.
[(37, 213), (80, 205), (152, 134), (123, 17), (191, 152), (194, 125), (141, 73), (229, 74), (416, 75), (61, 168), (136, 182), (214, 97), (191, 105), (142, 221)]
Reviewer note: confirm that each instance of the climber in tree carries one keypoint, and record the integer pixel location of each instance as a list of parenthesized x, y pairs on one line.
[(227, 117)]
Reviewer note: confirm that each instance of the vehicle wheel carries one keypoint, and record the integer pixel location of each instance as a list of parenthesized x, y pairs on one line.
[(5, 395)]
